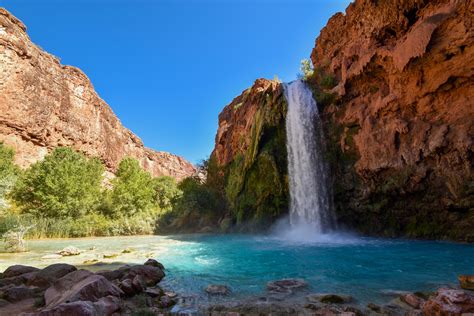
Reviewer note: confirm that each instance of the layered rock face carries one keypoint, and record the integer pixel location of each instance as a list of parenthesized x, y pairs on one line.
[(401, 126), (44, 104), (394, 84), (249, 161)]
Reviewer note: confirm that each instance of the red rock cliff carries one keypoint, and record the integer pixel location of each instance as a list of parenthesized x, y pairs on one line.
[(44, 104), (402, 125), (394, 84)]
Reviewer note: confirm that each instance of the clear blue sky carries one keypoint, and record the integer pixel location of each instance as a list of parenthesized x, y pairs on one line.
[(168, 67)]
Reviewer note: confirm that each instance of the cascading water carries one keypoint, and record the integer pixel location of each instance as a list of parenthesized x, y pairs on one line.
[(310, 204)]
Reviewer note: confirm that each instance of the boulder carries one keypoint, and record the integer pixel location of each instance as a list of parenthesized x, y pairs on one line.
[(45, 277), (157, 292), (17, 270), (218, 289), (286, 285), (69, 251), (18, 280), (466, 282), (166, 302), (154, 263), (3, 302), (151, 275), (374, 307), (127, 287), (106, 306), (449, 302), (114, 274), (80, 285), (329, 298), (139, 284), (412, 300), (19, 293)]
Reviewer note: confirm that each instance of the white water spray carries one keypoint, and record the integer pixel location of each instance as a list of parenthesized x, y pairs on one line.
[(310, 204)]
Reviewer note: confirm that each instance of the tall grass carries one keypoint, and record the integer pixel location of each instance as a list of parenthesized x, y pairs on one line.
[(87, 226)]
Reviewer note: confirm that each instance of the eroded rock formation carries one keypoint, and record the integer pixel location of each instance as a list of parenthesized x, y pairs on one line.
[(44, 104), (401, 126), (394, 83), (249, 161)]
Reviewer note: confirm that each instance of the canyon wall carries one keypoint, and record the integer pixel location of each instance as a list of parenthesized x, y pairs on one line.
[(249, 162), (394, 84), (44, 104), (400, 120)]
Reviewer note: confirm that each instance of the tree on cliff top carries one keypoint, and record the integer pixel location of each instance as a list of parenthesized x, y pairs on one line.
[(65, 184)]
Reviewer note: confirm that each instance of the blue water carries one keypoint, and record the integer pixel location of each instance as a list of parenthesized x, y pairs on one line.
[(369, 269)]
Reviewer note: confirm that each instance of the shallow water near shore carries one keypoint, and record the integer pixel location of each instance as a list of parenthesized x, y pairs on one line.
[(369, 269)]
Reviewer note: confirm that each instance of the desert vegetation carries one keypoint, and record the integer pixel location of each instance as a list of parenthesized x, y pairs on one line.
[(66, 195)]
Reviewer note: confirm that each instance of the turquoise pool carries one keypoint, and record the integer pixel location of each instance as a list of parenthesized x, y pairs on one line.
[(369, 269)]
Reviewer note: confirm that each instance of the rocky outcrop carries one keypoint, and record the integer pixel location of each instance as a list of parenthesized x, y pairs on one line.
[(81, 292), (44, 104), (394, 84), (249, 160), (400, 116)]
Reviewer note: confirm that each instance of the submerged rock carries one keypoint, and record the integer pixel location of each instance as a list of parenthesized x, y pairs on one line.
[(286, 285), (218, 289), (166, 301), (110, 255), (155, 292), (51, 257), (128, 250), (329, 298), (466, 282), (69, 251)]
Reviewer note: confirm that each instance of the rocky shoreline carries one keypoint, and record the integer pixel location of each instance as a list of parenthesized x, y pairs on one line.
[(62, 289)]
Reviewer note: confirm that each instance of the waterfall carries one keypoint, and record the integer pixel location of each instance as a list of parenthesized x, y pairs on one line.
[(310, 204)]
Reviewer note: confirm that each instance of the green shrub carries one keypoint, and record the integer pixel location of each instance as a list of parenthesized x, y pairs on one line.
[(8, 172), (197, 207), (65, 184), (133, 191), (306, 69), (166, 191)]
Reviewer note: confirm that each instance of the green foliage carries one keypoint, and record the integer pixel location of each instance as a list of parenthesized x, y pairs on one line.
[(62, 196), (166, 192), (8, 172), (133, 191), (64, 184), (306, 69), (328, 81), (255, 184), (86, 226), (197, 207)]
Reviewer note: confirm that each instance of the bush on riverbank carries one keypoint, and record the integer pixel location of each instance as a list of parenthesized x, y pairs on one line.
[(64, 196), (199, 207), (8, 173)]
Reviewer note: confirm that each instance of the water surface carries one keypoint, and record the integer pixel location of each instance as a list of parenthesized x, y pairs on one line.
[(369, 269)]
